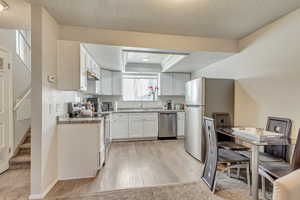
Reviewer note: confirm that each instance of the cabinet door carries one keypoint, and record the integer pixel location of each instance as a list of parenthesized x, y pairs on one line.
[(150, 125), (135, 126), (166, 84), (120, 127), (180, 123), (117, 83), (83, 69), (179, 80), (106, 82), (70, 70)]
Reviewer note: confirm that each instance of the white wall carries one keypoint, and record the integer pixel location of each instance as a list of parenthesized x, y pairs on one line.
[(47, 100), (267, 74)]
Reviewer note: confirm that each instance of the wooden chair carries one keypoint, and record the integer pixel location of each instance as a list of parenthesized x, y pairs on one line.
[(274, 153), (274, 170), (223, 121), (217, 156)]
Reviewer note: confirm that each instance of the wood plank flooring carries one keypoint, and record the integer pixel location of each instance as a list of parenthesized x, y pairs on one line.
[(137, 164)]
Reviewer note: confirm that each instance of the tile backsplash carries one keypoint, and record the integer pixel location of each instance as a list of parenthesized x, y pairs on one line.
[(142, 104)]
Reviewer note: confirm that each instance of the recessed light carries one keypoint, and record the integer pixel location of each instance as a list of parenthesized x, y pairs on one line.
[(3, 5), (145, 59)]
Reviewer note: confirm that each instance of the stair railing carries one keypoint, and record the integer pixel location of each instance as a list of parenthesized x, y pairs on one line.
[(20, 102)]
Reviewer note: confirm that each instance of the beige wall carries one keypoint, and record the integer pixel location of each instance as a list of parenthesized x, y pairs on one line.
[(267, 74), (147, 40), (47, 100)]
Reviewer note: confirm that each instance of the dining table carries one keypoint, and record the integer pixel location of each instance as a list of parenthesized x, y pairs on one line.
[(253, 137)]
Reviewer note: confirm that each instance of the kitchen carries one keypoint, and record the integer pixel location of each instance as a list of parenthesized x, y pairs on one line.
[(132, 102)]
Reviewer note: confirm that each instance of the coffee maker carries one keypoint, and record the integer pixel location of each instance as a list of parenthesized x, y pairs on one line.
[(95, 102), (169, 104)]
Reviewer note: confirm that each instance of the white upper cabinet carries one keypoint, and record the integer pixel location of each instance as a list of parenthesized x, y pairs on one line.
[(106, 82), (173, 83), (166, 83), (179, 80), (71, 70), (117, 83)]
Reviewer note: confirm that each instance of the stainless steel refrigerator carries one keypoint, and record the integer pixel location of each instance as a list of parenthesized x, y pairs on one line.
[(205, 96)]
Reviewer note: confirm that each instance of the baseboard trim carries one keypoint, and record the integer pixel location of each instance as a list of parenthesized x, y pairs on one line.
[(44, 194)]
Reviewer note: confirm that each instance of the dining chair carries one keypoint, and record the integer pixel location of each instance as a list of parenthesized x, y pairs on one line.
[(222, 121), (274, 170), (274, 153), (220, 157)]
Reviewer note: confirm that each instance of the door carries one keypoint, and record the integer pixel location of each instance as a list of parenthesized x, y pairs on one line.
[(194, 141), (150, 125), (5, 110), (167, 125), (194, 92), (120, 127)]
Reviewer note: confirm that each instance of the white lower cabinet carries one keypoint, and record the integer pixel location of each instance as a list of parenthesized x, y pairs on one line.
[(81, 148), (135, 126), (120, 126), (180, 124)]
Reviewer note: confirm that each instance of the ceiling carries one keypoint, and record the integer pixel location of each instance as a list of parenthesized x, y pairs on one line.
[(232, 19), (111, 57), (17, 16), (107, 56), (198, 60), (143, 57)]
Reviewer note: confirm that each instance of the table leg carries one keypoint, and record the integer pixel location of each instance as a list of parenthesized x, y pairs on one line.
[(254, 169)]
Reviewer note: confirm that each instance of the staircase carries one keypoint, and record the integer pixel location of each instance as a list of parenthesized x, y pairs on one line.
[(22, 157)]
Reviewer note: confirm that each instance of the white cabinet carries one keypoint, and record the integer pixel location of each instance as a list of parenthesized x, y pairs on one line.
[(136, 124), (165, 84), (150, 128), (117, 83), (71, 66), (179, 80), (173, 84), (80, 148), (180, 124), (120, 128), (106, 82)]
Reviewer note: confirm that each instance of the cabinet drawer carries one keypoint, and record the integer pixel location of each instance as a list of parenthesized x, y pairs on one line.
[(150, 116), (120, 116)]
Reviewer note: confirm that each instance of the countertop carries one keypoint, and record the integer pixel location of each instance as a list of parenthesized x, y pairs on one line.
[(147, 111), (83, 120)]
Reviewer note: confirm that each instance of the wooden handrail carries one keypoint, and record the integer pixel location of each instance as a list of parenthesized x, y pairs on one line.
[(19, 103)]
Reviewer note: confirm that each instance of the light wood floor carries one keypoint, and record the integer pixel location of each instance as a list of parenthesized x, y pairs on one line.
[(130, 165), (137, 164)]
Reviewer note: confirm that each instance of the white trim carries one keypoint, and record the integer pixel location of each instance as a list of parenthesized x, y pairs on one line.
[(44, 194), (19, 103), (76, 178), (4, 167)]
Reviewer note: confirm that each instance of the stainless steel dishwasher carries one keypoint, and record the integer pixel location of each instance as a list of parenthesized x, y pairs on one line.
[(167, 125)]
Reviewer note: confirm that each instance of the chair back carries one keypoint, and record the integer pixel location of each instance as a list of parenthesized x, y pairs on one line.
[(210, 167), (222, 120), (296, 155), (283, 126)]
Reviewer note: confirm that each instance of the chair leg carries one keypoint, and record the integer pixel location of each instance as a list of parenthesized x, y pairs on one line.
[(263, 186), (248, 179), (228, 171)]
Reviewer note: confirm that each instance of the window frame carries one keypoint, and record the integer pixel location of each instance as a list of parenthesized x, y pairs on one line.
[(139, 76), (23, 47)]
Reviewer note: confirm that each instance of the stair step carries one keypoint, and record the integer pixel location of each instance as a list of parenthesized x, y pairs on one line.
[(25, 146), (20, 161)]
